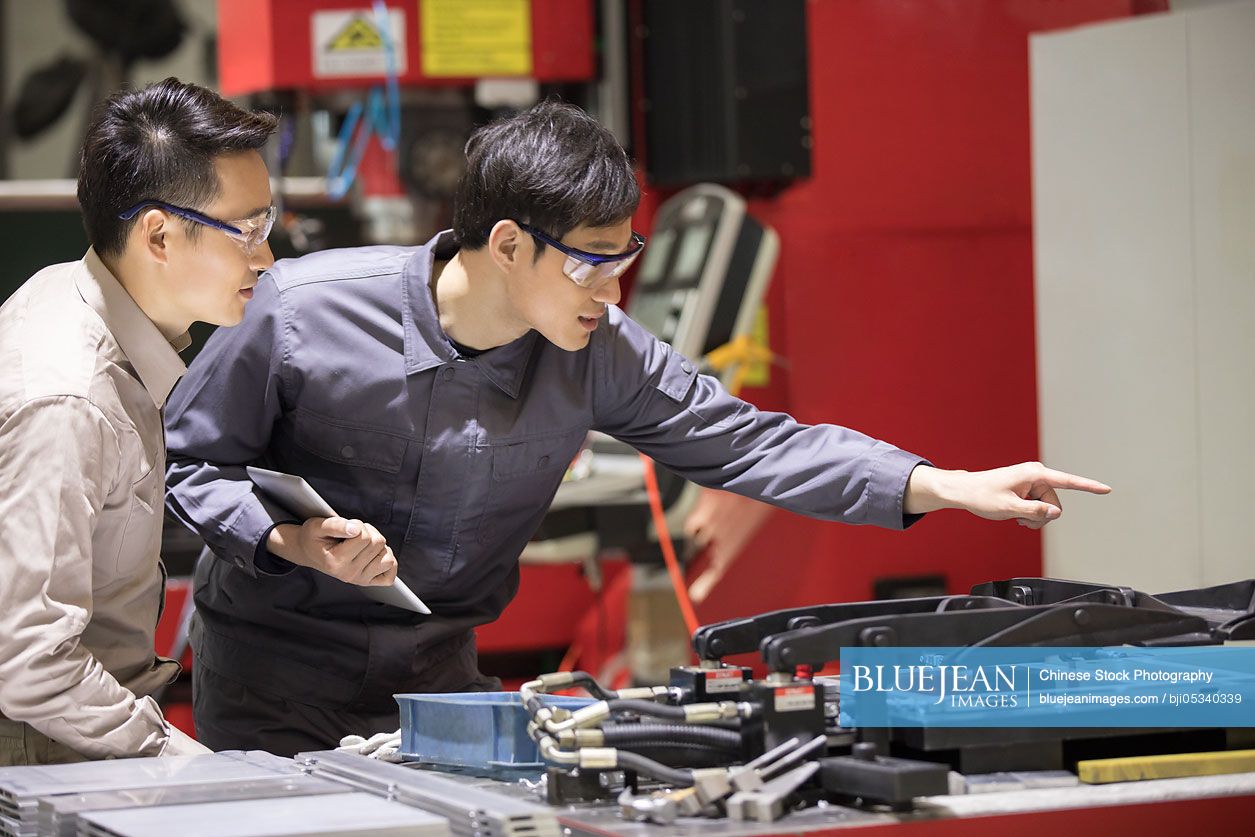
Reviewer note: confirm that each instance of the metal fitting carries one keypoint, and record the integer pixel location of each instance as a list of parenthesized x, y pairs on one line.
[(588, 737), (589, 715), (550, 751), (557, 680), (599, 758), (644, 693), (701, 713)]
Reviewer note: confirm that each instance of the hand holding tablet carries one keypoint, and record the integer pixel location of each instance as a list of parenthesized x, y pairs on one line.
[(298, 497)]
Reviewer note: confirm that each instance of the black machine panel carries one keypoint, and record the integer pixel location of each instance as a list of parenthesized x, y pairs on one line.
[(726, 84)]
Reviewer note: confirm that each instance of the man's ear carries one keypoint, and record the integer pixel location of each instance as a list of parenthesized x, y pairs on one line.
[(151, 232), (507, 245)]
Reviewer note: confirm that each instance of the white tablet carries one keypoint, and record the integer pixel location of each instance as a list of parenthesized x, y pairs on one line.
[(300, 498)]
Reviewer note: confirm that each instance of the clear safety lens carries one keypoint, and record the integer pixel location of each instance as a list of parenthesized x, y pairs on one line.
[(254, 231), (595, 275)]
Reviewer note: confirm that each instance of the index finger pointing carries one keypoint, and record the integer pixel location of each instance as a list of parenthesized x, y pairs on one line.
[(1058, 479)]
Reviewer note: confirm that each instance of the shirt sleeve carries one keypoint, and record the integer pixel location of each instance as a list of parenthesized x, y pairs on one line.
[(218, 420), (180, 743), (653, 398), (59, 462)]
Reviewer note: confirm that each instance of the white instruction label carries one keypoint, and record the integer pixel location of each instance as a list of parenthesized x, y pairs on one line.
[(723, 680), (795, 698), (349, 43)]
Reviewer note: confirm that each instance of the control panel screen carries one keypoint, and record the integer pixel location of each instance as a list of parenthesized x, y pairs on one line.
[(694, 243), (655, 259)]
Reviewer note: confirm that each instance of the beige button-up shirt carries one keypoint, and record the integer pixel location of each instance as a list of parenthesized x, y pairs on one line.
[(84, 375)]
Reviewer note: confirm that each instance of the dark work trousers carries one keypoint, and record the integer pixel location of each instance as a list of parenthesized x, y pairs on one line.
[(231, 715)]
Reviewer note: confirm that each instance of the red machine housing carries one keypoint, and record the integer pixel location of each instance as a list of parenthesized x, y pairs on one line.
[(269, 45)]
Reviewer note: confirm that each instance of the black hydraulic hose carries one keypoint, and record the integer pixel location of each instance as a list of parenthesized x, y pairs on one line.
[(627, 735), (653, 769), (647, 747), (645, 707), (691, 756), (590, 684)]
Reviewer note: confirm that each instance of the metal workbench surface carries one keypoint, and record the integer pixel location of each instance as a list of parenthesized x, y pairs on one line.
[(598, 819)]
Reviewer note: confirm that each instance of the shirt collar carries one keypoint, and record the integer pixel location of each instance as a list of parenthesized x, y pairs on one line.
[(426, 344), (155, 360)]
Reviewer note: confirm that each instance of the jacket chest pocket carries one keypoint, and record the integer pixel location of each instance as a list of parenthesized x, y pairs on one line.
[(524, 477), (354, 469), (140, 541)]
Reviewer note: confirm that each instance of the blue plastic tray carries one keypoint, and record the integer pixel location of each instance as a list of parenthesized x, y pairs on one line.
[(478, 732)]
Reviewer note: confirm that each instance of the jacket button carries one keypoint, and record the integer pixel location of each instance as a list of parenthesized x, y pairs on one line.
[(686, 367), (448, 373), (347, 452), (544, 460)]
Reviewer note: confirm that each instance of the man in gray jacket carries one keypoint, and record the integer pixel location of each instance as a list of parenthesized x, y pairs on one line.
[(434, 396), (176, 203)]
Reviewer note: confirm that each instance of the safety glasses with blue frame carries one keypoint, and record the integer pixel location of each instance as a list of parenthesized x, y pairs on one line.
[(590, 270), (249, 233)]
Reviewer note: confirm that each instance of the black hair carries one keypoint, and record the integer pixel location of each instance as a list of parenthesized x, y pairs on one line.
[(552, 166), (158, 143)]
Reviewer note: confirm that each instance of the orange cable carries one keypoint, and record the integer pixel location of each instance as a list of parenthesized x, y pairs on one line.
[(571, 657), (668, 548)]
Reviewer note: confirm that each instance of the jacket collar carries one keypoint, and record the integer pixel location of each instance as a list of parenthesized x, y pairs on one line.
[(426, 344), (156, 360)]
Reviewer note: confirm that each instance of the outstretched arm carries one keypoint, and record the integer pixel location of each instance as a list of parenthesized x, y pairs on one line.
[(1027, 493)]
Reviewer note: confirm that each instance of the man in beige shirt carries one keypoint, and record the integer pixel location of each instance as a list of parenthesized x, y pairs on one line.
[(177, 206)]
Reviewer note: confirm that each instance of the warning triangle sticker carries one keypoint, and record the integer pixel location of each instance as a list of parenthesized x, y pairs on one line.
[(358, 34)]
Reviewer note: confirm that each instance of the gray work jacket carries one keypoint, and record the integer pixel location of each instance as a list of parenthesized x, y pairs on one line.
[(341, 373)]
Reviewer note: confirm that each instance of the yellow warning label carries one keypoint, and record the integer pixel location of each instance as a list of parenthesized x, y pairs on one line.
[(472, 38), (359, 34), (350, 44)]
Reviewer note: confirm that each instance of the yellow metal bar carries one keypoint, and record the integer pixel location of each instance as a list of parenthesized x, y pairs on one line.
[(1176, 765)]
